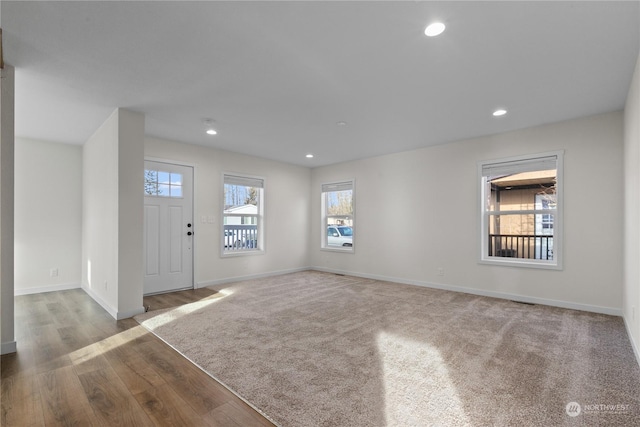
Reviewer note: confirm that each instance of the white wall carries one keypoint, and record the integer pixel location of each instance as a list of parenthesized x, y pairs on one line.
[(286, 211), (417, 211), (130, 212), (112, 216), (631, 304), (48, 216), (7, 144), (100, 214)]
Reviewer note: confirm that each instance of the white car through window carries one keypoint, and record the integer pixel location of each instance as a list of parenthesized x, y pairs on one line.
[(339, 235)]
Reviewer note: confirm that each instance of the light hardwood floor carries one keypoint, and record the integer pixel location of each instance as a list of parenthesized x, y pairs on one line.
[(76, 365)]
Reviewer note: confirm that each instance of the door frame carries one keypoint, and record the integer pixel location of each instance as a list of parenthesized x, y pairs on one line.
[(193, 212)]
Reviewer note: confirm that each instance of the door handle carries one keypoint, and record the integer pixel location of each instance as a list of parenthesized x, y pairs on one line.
[(189, 233)]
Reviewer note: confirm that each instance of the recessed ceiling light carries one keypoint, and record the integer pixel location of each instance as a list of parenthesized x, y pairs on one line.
[(341, 123), (499, 113), (434, 29), (309, 156), (208, 125)]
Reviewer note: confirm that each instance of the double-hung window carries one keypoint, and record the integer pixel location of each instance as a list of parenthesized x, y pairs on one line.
[(243, 215), (338, 200), (521, 211)]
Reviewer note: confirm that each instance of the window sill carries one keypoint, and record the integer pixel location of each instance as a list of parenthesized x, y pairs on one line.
[(520, 263), (232, 254), (344, 249)]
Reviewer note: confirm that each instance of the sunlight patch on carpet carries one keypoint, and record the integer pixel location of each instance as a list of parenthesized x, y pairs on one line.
[(418, 388)]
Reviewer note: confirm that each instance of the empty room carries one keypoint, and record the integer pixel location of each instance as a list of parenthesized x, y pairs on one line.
[(320, 213)]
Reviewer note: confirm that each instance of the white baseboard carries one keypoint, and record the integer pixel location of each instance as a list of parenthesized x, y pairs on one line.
[(117, 315), (206, 283), (493, 294), (113, 313), (8, 347), (46, 288), (129, 313), (634, 344)]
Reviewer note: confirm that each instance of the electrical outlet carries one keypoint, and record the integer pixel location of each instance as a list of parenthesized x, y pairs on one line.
[(440, 271), (53, 272)]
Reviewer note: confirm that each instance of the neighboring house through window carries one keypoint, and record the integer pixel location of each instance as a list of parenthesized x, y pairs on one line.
[(338, 216), (242, 215), (521, 219)]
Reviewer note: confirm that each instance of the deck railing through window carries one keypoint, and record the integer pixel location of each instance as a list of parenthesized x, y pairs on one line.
[(519, 246), (240, 237)]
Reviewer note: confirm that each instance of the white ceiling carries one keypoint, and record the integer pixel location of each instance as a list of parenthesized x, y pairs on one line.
[(277, 77)]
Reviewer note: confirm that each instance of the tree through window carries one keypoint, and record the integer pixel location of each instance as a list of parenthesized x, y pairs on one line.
[(162, 184)]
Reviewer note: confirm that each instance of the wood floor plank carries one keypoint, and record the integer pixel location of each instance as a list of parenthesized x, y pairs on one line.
[(49, 343), (64, 401), (239, 410), (61, 314), (92, 356), (73, 337), (135, 373), (20, 363), (110, 399), (219, 418), (22, 328), (38, 315), (112, 327), (90, 331), (88, 359), (165, 407), (124, 345), (21, 402), (188, 380), (49, 351), (174, 299), (42, 366)]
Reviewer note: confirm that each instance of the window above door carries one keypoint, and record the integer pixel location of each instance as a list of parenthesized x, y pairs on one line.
[(163, 184)]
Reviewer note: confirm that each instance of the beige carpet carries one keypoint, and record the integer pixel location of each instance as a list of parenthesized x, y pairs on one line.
[(318, 349)]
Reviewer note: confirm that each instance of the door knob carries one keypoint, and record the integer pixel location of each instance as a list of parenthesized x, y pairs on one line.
[(189, 233), (189, 225)]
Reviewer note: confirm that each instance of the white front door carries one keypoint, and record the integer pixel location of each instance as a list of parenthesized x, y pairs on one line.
[(168, 227)]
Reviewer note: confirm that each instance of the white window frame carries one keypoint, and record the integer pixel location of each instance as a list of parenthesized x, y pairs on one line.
[(337, 186), (249, 181), (484, 215)]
